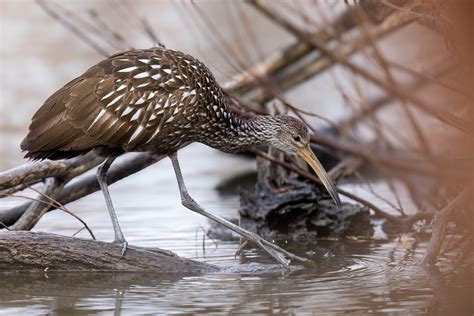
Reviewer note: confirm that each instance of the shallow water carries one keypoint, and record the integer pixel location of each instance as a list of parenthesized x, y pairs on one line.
[(357, 277), (374, 276)]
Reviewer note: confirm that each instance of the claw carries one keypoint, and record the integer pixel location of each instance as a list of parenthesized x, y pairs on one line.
[(269, 248), (276, 252), (122, 243), (278, 256)]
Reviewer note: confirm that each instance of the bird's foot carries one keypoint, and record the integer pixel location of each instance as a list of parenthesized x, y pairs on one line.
[(276, 252), (123, 243)]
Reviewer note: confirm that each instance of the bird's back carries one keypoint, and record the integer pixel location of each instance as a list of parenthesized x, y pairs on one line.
[(142, 100)]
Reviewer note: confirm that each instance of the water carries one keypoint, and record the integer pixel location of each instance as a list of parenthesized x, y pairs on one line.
[(352, 276), (358, 276)]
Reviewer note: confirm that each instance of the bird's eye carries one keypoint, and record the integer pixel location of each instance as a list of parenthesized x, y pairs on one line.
[(297, 138)]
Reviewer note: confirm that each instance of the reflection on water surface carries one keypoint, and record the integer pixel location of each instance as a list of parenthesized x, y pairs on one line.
[(357, 276), (352, 276)]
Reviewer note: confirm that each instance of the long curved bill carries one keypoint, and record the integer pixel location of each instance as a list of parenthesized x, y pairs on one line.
[(307, 155)]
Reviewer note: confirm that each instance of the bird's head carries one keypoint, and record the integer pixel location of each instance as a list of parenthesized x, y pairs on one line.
[(291, 136)]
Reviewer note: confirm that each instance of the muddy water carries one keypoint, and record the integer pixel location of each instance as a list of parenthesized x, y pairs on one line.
[(375, 276), (380, 275)]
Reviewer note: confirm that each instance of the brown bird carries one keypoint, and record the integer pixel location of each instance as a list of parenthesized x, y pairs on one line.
[(158, 100)]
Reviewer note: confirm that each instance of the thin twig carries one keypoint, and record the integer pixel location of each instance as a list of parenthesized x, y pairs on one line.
[(51, 204), (58, 205), (444, 117), (73, 28)]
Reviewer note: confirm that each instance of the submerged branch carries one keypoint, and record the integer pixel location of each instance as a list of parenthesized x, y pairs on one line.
[(440, 221)]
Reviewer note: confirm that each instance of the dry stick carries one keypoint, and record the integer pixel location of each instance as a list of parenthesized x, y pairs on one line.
[(440, 220), (74, 29), (418, 132), (121, 13), (394, 190), (306, 70), (53, 187), (116, 40), (295, 109), (237, 24), (86, 184), (391, 81), (52, 204), (150, 32), (440, 70), (219, 40), (362, 103), (82, 24), (375, 123), (360, 150), (248, 28), (21, 177), (408, 11), (444, 117), (345, 167), (58, 205), (294, 52), (372, 191), (432, 78)]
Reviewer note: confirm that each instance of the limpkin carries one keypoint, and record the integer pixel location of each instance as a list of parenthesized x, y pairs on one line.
[(157, 100)]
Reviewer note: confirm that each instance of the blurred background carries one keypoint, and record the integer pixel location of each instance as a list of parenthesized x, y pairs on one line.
[(47, 55), (411, 127)]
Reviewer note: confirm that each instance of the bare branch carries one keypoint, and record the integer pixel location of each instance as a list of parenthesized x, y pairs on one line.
[(24, 176), (86, 184), (443, 116), (37, 209), (440, 220)]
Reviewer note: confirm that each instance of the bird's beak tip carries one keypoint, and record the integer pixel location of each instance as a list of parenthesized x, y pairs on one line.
[(307, 155)]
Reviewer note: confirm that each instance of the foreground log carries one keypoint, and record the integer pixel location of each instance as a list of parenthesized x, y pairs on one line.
[(35, 251)]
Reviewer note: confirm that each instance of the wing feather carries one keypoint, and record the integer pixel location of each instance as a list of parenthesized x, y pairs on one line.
[(124, 102)]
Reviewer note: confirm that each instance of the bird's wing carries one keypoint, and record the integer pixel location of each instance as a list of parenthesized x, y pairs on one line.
[(121, 102)]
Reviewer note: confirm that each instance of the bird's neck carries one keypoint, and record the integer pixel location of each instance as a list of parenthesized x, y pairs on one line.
[(236, 133)]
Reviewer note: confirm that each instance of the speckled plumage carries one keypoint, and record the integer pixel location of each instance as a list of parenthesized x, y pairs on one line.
[(156, 100)]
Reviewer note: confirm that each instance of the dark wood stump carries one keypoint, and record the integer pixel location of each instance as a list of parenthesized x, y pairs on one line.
[(35, 251)]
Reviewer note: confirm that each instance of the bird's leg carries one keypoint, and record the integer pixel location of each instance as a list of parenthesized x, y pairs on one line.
[(273, 250), (102, 179)]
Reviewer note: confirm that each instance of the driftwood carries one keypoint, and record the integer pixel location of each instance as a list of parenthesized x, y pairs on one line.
[(281, 72), (285, 206), (35, 251)]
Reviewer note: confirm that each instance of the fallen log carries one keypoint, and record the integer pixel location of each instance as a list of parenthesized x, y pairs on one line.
[(37, 251)]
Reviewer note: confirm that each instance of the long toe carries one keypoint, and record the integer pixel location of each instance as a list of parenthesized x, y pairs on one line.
[(123, 244), (276, 252), (267, 247)]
